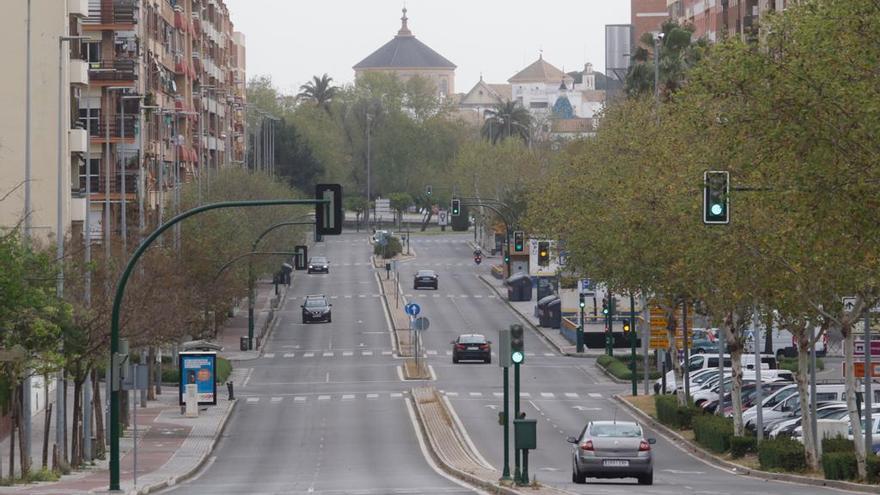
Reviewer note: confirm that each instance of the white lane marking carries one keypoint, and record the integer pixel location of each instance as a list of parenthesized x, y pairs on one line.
[(372, 396), (312, 354), (323, 397), (276, 400), (434, 353), (450, 295), (385, 353), (491, 296), (349, 353), (423, 295), (347, 397), (438, 295), (530, 354), (547, 395), (337, 297), (452, 394), (571, 395), (269, 355), (362, 295), (367, 353), (476, 394), (300, 399), (477, 296), (347, 296), (550, 354), (328, 354), (253, 399), (464, 295), (594, 395), (498, 394), (290, 355), (525, 394), (582, 408), (538, 409), (396, 395)]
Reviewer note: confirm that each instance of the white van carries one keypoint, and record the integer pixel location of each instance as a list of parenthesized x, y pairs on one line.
[(699, 362), (783, 343)]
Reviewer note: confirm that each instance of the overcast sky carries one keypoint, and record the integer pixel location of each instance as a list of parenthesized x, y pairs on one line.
[(292, 40)]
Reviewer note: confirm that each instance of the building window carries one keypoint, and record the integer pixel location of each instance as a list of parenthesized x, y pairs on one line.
[(90, 119), (538, 104), (94, 172), (444, 86), (93, 51)]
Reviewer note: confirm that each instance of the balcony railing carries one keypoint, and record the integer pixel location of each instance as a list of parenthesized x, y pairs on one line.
[(116, 127), (112, 12), (120, 69), (98, 183)]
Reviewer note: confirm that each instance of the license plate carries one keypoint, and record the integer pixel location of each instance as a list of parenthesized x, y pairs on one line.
[(473, 348), (615, 463)]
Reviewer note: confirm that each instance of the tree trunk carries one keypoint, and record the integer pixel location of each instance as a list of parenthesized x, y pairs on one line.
[(855, 421), (25, 459), (46, 426), (735, 349), (99, 416), (76, 426), (803, 346), (151, 370), (14, 425), (768, 334)]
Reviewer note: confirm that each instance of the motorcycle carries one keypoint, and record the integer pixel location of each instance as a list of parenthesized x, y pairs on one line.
[(478, 259)]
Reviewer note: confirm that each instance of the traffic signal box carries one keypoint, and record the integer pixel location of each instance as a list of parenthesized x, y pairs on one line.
[(518, 241), (517, 344), (716, 197), (543, 253), (456, 207)]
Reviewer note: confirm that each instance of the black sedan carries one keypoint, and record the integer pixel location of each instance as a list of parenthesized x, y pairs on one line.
[(316, 308), (319, 264), (471, 346), (426, 278)]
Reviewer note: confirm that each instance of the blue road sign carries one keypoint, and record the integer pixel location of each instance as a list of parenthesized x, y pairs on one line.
[(412, 309)]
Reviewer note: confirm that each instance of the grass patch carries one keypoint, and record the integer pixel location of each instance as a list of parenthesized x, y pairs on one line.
[(620, 368)]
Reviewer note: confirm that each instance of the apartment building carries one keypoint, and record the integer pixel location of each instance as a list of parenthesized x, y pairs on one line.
[(58, 76), (646, 16), (714, 19), (163, 106)]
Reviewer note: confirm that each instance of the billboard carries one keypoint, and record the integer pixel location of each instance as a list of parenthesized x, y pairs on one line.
[(199, 368)]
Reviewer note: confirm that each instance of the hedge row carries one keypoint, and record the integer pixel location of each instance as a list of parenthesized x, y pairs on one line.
[(740, 446), (671, 414), (782, 454), (620, 369), (713, 432)]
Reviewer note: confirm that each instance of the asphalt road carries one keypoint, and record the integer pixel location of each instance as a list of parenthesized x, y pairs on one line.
[(323, 411), (563, 393)]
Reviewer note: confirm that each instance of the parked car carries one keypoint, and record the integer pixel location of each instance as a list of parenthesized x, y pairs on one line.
[(318, 264), (704, 340), (316, 308), (426, 278), (702, 361), (612, 449), (470, 347)]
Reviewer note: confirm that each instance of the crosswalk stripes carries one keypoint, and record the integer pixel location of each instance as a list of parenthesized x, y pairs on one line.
[(289, 354), (570, 395), (269, 355), (253, 399), (498, 394), (369, 353), (328, 354), (347, 353), (348, 397), (547, 395), (300, 399), (594, 395), (372, 396), (277, 399), (323, 397), (309, 354), (476, 394)]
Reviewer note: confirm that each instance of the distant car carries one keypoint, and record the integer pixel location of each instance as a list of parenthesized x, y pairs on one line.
[(471, 346), (612, 449), (380, 234), (703, 341), (426, 278), (318, 264), (316, 308)]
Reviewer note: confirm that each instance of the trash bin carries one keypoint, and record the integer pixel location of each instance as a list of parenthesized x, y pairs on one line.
[(243, 343), (519, 287), (543, 314), (554, 313)]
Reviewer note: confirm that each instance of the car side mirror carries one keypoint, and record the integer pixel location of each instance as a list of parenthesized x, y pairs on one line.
[(652, 441), (571, 440), (303, 306)]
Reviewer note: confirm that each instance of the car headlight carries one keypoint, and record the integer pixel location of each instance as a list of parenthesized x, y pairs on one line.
[(325, 266), (310, 266)]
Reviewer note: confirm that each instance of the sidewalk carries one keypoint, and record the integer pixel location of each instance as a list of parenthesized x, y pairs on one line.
[(237, 327)]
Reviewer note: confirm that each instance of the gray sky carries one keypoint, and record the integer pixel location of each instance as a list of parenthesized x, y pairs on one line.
[(292, 40)]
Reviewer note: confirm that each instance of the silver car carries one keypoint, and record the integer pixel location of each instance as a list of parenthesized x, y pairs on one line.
[(612, 449)]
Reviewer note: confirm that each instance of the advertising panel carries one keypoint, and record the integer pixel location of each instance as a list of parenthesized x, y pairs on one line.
[(199, 368)]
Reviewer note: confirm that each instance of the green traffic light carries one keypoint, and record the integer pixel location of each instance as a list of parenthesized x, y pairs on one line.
[(605, 311), (717, 209), (583, 304), (516, 357)]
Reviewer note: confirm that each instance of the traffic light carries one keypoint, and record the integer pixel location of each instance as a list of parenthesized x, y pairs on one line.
[(625, 326), (543, 253), (517, 344), (518, 246), (456, 207), (581, 301), (506, 258), (605, 306), (428, 191), (716, 197)]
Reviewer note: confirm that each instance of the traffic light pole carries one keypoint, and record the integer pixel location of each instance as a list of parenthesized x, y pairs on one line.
[(609, 337), (632, 343), (120, 292), (505, 475), (580, 330), (516, 471)]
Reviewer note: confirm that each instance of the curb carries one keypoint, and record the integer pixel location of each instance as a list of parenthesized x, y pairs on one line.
[(700, 453), (185, 476)]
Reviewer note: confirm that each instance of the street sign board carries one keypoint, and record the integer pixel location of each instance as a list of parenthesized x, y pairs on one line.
[(412, 309), (659, 323), (421, 324), (859, 348), (849, 303), (328, 216), (585, 287), (443, 218), (859, 369)]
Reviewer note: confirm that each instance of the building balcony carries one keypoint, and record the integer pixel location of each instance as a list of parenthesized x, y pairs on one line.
[(78, 8), (115, 129), (111, 15), (113, 72), (79, 72), (98, 184), (77, 140)]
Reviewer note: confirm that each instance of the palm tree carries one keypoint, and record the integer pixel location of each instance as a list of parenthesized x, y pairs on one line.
[(505, 120), (678, 52), (319, 91)]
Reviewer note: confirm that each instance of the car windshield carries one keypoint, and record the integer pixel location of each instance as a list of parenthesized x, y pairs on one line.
[(315, 303), (472, 339), (319, 260), (425, 273), (616, 430)]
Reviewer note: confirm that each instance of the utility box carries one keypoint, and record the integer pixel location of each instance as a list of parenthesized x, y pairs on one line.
[(525, 434), (542, 310), (519, 287)]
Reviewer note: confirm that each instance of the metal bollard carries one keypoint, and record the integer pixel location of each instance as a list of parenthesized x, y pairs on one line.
[(230, 391)]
